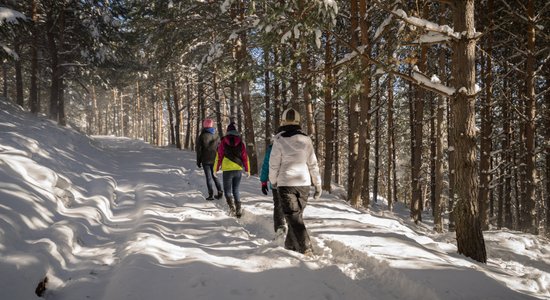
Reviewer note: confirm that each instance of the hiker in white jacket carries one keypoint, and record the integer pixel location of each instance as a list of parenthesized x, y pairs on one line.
[(292, 168)]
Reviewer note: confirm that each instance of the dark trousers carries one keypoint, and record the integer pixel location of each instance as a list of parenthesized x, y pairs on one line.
[(293, 203), (278, 216), (209, 174), (231, 182)]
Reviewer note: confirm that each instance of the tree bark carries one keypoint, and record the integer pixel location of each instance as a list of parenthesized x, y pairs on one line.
[(34, 104), (486, 130), (245, 94), (276, 94), (188, 121), (360, 189), (170, 109), (528, 205), (5, 80), (507, 145), (217, 101), (439, 139), (177, 112), (353, 112), (267, 98), (389, 145), (18, 75), (418, 124), (469, 235), (308, 87), (376, 144), (329, 116), (55, 71), (547, 147)]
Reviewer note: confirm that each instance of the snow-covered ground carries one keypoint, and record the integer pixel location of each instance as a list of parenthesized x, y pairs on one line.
[(114, 218)]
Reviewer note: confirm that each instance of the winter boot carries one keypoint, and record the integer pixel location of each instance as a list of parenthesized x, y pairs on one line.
[(238, 210), (210, 197), (219, 195), (229, 201)]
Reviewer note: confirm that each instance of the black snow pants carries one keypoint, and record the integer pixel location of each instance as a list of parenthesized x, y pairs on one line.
[(293, 202), (278, 216)]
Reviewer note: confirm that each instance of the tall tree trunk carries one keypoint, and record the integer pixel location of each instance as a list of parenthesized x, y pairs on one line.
[(433, 154), (376, 143), (201, 115), (61, 95), (139, 114), (469, 235), (389, 145), (486, 131), (232, 102), (5, 80), (55, 70), (177, 112), (160, 126), (245, 94), (172, 137), (276, 93), (188, 121), (353, 112), (294, 83), (122, 113), (267, 99), (284, 90), (500, 203), (360, 189), (308, 87), (439, 139), (95, 114), (329, 117), (337, 150), (528, 205), (217, 100), (34, 104), (547, 147), (451, 163), (418, 123), (18, 75), (507, 145)]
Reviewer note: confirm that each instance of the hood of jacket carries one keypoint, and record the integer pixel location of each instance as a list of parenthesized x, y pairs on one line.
[(232, 139)]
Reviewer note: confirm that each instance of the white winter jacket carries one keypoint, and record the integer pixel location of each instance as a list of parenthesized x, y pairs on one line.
[(293, 161)]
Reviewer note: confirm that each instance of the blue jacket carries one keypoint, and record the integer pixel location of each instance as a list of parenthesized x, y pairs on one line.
[(264, 175)]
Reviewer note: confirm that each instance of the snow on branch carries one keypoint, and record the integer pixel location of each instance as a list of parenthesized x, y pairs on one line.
[(425, 24), (432, 38), (9, 51), (10, 16), (433, 83)]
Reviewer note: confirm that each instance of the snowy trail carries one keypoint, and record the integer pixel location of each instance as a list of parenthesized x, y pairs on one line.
[(114, 218)]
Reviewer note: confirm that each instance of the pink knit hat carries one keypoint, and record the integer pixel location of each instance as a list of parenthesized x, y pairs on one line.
[(208, 123)]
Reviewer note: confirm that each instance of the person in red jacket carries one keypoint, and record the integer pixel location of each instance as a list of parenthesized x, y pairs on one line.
[(233, 160)]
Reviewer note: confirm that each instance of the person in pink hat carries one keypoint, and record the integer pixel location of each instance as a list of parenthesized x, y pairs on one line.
[(207, 145)]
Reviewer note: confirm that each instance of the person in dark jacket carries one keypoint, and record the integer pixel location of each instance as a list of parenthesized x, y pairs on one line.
[(279, 224), (207, 144), (233, 160)]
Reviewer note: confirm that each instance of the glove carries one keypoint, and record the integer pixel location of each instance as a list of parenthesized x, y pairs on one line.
[(199, 164), (318, 192), (264, 187)]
